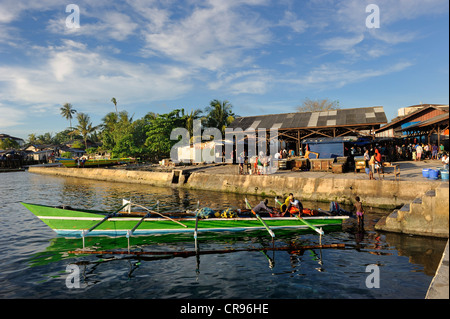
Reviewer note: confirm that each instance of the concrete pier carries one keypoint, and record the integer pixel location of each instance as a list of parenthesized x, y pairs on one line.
[(426, 215), (439, 286)]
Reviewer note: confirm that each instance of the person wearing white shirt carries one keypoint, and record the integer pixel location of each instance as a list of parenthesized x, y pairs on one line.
[(445, 161)]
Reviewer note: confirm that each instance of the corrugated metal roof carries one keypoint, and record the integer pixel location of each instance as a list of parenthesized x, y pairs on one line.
[(335, 118), (436, 119), (399, 120)]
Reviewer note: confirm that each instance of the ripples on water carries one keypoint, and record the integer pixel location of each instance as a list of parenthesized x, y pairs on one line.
[(33, 260)]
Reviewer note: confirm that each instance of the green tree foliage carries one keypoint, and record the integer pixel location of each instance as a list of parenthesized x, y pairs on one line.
[(65, 136), (147, 137), (219, 114), (158, 140), (114, 102), (45, 139), (84, 127), (131, 141), (67, 111), (8, 143), (120, 135)]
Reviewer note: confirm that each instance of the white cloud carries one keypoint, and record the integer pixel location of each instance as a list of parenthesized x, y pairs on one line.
[(10, 116), (342, 43), (351, 14), (349, 19), (243, 82), (290, 20), (336, 76), (209, 37), (152, 50), (110, 25), (252, 86), (78, 74), (155, 17)]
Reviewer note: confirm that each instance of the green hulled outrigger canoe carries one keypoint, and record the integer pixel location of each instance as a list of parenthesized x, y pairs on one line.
[(70, 162), (79, 222)]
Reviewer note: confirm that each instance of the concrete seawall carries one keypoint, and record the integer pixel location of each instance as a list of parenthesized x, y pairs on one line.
[(379, 193), (439, 285), (426, 215), (109, 175)]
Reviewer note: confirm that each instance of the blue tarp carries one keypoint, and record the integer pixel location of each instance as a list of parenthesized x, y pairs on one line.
[(327, 150)]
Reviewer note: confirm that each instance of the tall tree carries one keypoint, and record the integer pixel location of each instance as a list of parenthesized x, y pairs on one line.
[(84, 127), (46, 138), (219, 114), (190, 117), (309, 105), (110, 121), (114, 102), (114, 127), (159, 128), (32, 139), (67, 111), (8, 143)]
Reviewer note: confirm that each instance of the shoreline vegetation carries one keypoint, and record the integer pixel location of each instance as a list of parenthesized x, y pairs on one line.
[(120, 134)]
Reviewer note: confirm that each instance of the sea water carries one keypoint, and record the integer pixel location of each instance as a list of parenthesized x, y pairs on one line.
[(34, 262)]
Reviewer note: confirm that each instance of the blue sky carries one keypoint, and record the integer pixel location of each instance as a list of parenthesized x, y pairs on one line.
[(263, 56)]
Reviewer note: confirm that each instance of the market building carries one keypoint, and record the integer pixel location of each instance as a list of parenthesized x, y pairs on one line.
[(295, 129), (427, 123)]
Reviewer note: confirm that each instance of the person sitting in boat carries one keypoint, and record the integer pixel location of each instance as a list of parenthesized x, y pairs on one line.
[(262, 207), (294, 206), (286, 202)]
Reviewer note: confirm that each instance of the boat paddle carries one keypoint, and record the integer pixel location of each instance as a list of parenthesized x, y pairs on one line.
[(320, 231), (260, 219)]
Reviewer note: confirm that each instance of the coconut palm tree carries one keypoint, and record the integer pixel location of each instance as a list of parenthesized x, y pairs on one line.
[(67, 111), (190, 117), (110, 121), (220, 114), (114, 102), (84, 127)]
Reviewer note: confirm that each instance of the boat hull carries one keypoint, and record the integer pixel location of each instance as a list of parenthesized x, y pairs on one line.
[(94, 163), (72, 223)]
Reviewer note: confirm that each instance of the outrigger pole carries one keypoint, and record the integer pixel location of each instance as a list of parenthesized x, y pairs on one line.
[(85, 232), (318, 230), (196, 226), (158, 213), (130, 232), (260, 219), (291, 248)]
